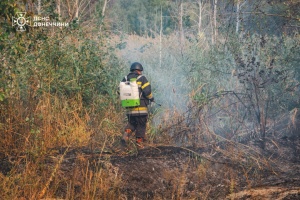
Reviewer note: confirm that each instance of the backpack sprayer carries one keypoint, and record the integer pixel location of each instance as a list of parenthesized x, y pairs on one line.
[(129, 93)]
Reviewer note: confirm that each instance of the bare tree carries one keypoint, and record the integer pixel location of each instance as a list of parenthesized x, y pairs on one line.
[(39, 7), (103, 13), (239, 6), (197, 11), (181, 32), (215, 29), (265, 85), (237, 16), (160, 37), (178, 14), (200, 5), (74, 9)]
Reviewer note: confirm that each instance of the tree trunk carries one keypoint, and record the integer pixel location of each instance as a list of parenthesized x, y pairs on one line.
[(160, 37), (104, 8), (200, 17), (39, 7), (181, 24), (237, 17), (103, 13), (212, 29), (77, 10), (215, 20)]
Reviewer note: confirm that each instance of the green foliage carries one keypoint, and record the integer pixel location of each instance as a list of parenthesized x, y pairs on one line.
[(201, 98), (61, 68), (45, 72), (2, 96), (140, 17)]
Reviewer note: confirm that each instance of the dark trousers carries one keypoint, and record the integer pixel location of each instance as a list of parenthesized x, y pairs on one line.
[(137, 124)]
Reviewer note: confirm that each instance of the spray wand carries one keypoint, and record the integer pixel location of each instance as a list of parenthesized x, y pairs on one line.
[(156, 103)]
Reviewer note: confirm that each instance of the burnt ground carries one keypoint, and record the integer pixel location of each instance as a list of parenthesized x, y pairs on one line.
[(223, 170)]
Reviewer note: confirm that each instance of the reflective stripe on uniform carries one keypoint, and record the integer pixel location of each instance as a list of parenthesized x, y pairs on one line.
[(149, 96), (139, 82), (145, 85), (137, 110)]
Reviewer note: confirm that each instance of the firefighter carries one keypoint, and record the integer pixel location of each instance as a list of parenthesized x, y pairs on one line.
[(138, 116)]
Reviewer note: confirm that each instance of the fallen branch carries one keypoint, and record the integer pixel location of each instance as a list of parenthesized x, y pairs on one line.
[(42, 193)]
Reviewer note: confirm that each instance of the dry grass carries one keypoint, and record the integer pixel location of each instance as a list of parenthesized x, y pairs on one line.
[(33, 131), (39, 172)]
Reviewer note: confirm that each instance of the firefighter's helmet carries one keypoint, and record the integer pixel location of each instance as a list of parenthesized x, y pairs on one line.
[(136, 66)]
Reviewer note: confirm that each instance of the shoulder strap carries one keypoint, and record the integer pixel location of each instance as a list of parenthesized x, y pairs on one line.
[(139, 77), (136, 78)]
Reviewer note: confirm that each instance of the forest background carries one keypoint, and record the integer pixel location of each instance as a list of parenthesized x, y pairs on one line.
[(225, 69)]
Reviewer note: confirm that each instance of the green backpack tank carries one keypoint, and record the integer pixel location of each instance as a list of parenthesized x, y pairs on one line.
[(129, 93)]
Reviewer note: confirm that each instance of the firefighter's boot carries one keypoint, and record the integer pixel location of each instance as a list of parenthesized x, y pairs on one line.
[(126, 136), (140, 142)]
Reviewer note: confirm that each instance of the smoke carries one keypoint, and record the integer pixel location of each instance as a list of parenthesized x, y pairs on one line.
[(164, 70)]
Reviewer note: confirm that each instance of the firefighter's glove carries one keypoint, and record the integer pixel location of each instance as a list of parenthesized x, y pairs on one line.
[(152, 99), (151, 104)]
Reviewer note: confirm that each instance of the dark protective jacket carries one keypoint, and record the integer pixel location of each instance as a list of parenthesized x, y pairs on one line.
[(144, 92)]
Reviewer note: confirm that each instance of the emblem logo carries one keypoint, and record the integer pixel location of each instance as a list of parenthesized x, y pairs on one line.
[(20, 20)]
